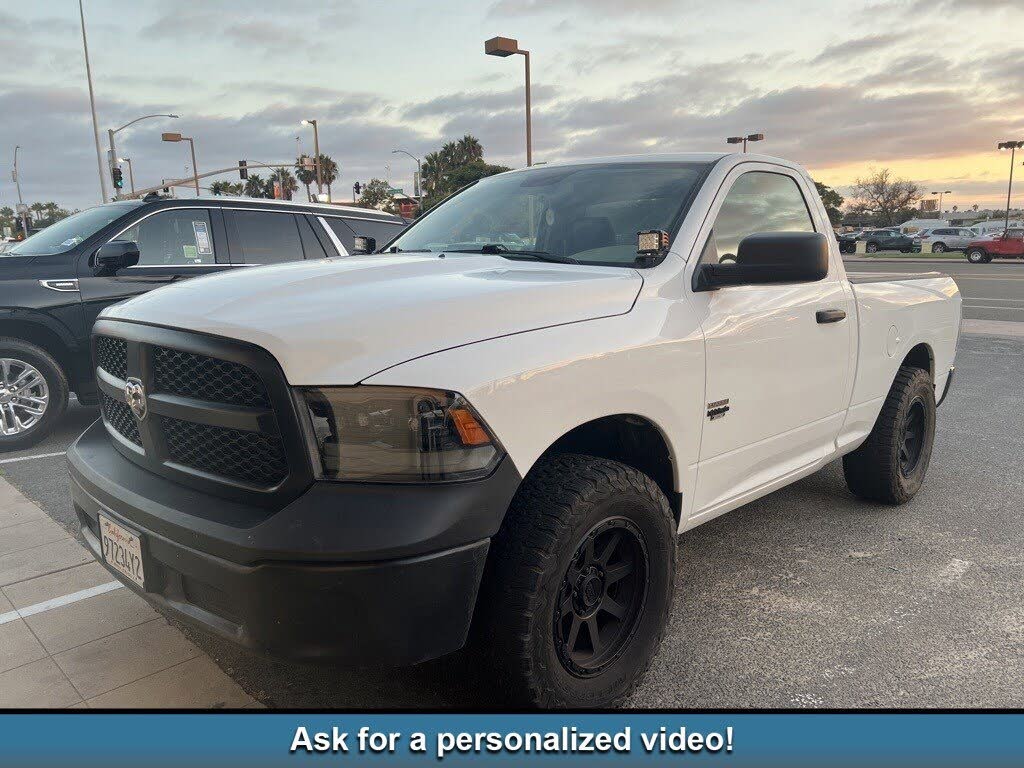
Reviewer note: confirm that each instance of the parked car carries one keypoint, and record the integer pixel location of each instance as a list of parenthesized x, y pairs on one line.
[(848, 241), (55, 283), (1009, 246), (362, 459), (944, 239), (885, 240)]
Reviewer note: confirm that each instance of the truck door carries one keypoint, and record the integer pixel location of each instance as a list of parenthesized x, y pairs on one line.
[(776, 374)]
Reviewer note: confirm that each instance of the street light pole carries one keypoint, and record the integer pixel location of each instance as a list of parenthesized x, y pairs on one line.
[(419, 176), (131, 176), (316, 151), (507, 46), (175, 137), (1012, 146), (17, 183), (112, 154), (92, 106), (744, 139)]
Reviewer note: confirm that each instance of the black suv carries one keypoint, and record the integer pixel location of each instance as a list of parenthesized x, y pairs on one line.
[(886, 240), (55, 283)]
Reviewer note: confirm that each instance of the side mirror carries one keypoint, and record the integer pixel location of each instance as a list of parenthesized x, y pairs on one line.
[(364, 244), (114, 256), (772, 257)]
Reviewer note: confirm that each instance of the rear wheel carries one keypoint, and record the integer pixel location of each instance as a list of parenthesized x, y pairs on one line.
[(579, 584), (33, 394), (891, 464), (976, 256)]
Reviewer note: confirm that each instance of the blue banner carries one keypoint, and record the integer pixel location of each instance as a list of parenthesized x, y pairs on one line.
[(162, 740)]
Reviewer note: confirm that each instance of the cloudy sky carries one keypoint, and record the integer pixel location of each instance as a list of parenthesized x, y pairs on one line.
[(924, 87)]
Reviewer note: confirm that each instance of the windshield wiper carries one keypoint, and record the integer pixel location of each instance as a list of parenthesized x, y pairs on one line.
[(501, 250), (396, 249)]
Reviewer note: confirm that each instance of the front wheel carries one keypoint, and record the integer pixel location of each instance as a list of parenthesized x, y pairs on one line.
[(976, 256), (579, 584), (871, 248), (33, 394), (938, 248), (891, 464)]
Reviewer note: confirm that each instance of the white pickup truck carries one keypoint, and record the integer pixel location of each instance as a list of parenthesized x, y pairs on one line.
[(492, 430)]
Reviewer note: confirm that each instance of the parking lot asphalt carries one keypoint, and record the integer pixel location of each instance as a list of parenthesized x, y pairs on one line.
[(806, 598), (990, 291)]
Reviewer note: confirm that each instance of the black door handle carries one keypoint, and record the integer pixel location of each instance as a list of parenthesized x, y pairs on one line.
[(830, 315)]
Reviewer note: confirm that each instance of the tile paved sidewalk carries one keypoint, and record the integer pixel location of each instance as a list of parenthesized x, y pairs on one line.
[(110, 649)]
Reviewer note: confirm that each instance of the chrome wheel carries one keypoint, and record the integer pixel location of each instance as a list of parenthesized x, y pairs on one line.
[(24, 396)]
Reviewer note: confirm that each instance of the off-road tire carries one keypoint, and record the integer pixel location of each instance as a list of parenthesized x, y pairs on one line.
[(976, 256), (56, 383), (562, 499), (874, 470)]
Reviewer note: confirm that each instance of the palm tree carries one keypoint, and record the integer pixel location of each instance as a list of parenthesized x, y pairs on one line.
[(468, 149), (287, 181), (225, 188), (305, 175), (255, 186), (328, 171)]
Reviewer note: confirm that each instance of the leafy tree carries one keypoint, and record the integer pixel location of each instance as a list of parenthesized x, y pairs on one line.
[(7, 218), (884, 197), (437, 166), (832, 201), (459, 177), (377, 194), (255, 186)]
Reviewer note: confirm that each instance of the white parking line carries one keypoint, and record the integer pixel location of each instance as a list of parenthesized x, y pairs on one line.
[(36, 456), (57, 602)]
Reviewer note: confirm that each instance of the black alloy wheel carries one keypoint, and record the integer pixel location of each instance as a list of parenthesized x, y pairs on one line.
[(913, 437), (602, 595)]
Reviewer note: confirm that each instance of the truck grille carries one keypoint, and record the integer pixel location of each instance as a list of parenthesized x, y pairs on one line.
[(119, 416), (112, 356), (206, 378), (219, 414), (247, 456)]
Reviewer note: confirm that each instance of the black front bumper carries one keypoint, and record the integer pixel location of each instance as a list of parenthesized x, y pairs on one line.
[(354, 573)]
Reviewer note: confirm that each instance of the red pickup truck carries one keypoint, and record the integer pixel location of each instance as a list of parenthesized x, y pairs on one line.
[(1009, 245)]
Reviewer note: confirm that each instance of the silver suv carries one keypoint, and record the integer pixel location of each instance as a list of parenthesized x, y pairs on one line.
[(944, 238)]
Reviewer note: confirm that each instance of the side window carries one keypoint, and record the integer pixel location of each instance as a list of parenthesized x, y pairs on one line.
[(381, 231), (342, 231), (173, 237), (759, 201), (264, 237), (310, 244)]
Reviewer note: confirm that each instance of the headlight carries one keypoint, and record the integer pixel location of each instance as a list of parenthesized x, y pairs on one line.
[(397, 435)]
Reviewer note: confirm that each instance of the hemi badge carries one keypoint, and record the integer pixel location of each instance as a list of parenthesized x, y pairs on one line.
[(718, 409)]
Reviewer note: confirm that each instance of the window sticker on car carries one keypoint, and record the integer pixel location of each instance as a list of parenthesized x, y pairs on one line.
[(191, 254), (202, 238)]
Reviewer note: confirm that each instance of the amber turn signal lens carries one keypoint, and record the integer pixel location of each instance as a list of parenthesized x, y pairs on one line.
[(469, 429)]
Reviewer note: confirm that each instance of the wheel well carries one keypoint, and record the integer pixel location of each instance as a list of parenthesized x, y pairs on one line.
[(44, 338), (632, 440), (921, 357)]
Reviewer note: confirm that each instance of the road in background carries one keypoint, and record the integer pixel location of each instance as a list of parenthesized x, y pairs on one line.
[(990, 291)]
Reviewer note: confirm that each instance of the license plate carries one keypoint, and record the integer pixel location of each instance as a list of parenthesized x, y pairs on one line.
[(122, 550)]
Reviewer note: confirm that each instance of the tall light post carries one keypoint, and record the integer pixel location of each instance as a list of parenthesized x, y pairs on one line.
[(940, 194), (175, 137), (131, 176), (744, 139), (112, 153), (92, 106), (419, 175), (1013, 146), (17, 183), (316, 151), (507, 46)]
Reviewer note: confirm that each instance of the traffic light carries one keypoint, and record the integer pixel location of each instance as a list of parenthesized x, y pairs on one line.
[(243, 172), (116, 175), (356, 189)]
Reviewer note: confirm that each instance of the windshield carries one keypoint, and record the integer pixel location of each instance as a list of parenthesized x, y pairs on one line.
[(588, 213), (67, 233)]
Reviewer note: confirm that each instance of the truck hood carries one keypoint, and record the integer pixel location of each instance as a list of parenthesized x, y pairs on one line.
[(338, 321)]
